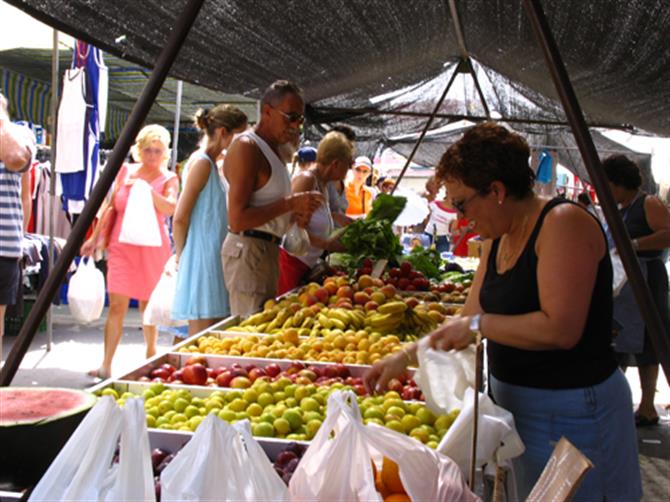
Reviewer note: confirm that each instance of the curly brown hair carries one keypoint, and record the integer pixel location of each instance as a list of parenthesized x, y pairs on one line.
[(486, 153)]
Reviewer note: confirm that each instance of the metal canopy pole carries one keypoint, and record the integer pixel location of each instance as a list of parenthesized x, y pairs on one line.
[(183, 24), (584, 140), (175, 131), (426, 127), (52, 180)]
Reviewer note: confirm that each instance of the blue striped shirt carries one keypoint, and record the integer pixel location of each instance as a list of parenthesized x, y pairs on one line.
[(11, 208)]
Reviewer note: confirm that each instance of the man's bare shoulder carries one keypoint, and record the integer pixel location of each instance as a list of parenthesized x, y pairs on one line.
[(244, 153)]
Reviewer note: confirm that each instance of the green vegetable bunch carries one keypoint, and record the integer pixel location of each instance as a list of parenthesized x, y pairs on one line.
[(425, 260)]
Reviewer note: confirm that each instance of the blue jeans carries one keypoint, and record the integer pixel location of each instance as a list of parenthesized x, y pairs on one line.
[(598, 420)]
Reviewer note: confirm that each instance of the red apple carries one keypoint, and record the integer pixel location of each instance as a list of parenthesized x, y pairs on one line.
[(179, 374), (196, 360), (330, 371), (411, 393), (395, 384), (168, 367), (255, 373), (342, 370), (273, 369), (316, 370), (322, 295), (160, 373), (360, 390), (210, 372), (195, 374), (249, 367), (224, 378), (308, 374)]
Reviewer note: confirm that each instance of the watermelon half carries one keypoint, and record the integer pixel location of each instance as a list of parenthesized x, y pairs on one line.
[(35, 423)]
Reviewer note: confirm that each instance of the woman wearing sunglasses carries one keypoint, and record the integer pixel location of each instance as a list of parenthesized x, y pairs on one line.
[(359, 195), (132, 270), (547, 319)]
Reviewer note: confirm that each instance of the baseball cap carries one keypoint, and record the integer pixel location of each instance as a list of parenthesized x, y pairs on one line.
[(363, 161), (307, 154)]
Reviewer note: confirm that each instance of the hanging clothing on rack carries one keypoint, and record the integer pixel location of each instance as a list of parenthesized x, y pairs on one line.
[(71, 123), (77, 185)]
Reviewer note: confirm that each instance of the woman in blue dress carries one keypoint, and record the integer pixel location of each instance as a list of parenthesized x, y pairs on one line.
[(201, 222)]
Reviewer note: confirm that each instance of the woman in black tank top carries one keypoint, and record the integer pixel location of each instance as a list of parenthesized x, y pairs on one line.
[(647, 220), (542, 299)]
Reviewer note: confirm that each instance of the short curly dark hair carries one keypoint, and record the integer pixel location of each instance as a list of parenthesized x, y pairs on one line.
[(623, 172), (486, 153)]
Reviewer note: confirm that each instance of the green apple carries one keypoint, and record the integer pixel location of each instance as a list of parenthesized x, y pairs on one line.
[(250, 395), (266, 399), (426, 416), (290, 390), (420, 434), (180, 404), (193, 422), (227, 415), (151, 421), (192, 411), (374, 412), (238, 405), (410, 422), (255, 410), (312, 427), (396, 410), (282, 426), (110, 392), (263, 429), (395, 425), (178, 418), (294, 418)]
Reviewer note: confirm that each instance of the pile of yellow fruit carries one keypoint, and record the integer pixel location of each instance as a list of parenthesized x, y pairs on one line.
[(348, 347)]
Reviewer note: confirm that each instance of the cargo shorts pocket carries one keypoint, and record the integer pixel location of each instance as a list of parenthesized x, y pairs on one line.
[(244, 267)]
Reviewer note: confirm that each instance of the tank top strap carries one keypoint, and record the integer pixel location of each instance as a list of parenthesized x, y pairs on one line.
[(201, 154)]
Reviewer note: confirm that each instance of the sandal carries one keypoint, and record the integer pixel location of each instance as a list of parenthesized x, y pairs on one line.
[(642, 421)]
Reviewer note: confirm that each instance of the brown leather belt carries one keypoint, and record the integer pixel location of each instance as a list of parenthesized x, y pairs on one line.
[(259, 234)]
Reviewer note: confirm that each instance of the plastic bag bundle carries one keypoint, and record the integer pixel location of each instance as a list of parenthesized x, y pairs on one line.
[(86, 292), (296, 240), (83, 469), (159, 308), (140, 225), (217, 465), (340, 468)]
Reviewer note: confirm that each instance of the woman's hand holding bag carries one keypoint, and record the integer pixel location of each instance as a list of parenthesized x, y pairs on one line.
[(140, 225)]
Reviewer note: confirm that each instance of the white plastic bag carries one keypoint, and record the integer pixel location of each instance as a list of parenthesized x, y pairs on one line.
[(340, 468), (133, 477), (211, 466), (296, 240), (86, 292), (158, 311), (444, 376), (140, 226), (81, 470), (267, 484)]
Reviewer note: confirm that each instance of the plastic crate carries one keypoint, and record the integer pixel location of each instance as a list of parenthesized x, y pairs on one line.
[(13, 324)]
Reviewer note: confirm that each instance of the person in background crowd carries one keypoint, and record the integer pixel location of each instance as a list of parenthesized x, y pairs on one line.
[(584, 200), (439, 224), (548, 327), (337, 196), (647, 220), (385, 185), (359, 195), (305, 158), (17, 148), (133, 271), (461, 233), (260, 202), (334, 158), (201, 222)]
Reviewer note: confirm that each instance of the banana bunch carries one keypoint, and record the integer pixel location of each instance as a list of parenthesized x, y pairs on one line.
[(416, 323), (387, 318), (339, 318)]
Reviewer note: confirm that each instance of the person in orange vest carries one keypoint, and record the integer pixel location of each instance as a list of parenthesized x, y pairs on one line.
[(358, 194)]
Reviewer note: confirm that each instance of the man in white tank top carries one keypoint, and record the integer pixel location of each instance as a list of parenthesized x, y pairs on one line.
[(260, 202)]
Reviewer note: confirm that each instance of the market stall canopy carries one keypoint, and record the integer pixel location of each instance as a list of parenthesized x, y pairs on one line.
[(343, 52), (25, 76)]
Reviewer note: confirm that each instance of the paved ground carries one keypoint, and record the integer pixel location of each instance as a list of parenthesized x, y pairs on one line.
[(77, 349)]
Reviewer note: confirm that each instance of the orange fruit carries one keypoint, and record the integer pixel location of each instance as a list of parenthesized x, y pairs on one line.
[(397, 497), (391, 477)]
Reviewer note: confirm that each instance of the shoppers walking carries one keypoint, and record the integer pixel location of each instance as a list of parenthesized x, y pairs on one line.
[(260, 202), (200, 224), (132, 270)]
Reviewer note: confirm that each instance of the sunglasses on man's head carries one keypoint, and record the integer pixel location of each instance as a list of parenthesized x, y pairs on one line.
[(293, 116)]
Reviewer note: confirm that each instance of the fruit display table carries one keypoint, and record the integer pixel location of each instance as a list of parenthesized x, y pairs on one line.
[(277, 367)]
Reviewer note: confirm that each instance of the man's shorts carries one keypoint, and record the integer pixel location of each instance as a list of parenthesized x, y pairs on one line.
[(250, 271), (9, 280)]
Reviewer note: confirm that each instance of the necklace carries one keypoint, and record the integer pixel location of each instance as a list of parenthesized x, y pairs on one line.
[(510, 252)]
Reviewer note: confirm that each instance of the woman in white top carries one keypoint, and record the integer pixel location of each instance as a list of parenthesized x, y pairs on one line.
[(333, 160)]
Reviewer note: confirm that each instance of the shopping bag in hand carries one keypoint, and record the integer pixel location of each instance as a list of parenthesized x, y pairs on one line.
[(81, 470), (296, 240), (159, 308), (140, 225), (86, 292), (133, 478), (444, 376)]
